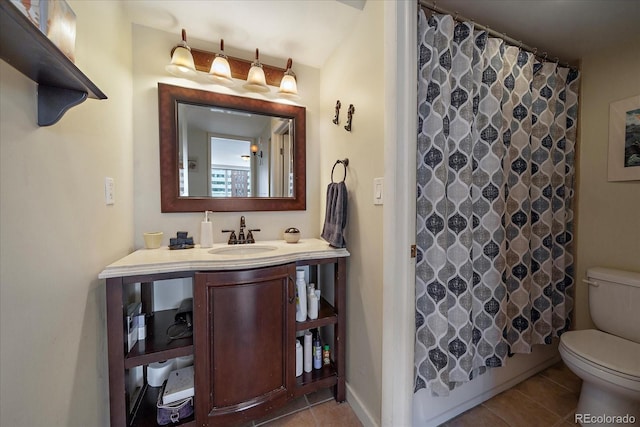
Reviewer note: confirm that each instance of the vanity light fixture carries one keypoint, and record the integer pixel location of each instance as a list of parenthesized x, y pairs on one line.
[(182, 64), (192, 63), (288, 85), (220, 71), (256, 80)]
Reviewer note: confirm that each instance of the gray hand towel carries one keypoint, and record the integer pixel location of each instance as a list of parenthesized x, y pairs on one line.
[(336, 215)]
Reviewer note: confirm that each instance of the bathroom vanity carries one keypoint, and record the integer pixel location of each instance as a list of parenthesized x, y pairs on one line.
[(244, 328)]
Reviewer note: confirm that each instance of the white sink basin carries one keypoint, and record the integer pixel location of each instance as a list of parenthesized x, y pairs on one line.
[(248, 249)]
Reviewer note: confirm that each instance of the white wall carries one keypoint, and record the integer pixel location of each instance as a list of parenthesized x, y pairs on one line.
[(608, 212), (151, 49), (354, 75), (58, 234), (399, 219)]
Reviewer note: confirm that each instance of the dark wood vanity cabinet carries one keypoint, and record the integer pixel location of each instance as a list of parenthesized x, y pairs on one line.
[(243, 344), (244, 335)]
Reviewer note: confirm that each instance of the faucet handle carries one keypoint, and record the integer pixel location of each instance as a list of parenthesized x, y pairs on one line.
[(232, 237), (250, 238), (242, 222)]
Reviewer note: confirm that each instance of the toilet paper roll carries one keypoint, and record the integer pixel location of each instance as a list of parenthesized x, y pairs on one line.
[(184, 361), (158, 372)]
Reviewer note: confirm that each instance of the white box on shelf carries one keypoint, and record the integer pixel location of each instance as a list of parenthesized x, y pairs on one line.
[(179, 385), (133, 310)]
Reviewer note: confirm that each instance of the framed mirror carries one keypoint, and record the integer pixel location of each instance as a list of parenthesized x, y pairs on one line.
[(226, 153)]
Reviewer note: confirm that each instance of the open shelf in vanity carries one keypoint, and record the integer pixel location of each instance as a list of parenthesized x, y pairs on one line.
[(270, 280)]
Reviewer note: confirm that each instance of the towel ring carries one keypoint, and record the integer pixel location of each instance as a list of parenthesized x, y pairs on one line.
[(344, 163)]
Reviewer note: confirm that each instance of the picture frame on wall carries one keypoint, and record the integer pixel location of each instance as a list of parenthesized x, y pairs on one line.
[(30, 9), (624, 140), (55, 19), (58, 22)]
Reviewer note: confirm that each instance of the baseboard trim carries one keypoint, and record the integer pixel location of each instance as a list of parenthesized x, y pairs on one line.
[(361, 411)]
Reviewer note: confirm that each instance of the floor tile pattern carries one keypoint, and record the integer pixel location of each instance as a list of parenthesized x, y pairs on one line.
[(317, 409), (548, 399)]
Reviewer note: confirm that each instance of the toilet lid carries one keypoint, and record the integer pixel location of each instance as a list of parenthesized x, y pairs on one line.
[(604, 349)]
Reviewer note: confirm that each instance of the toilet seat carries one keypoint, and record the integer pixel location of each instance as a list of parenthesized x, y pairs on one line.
[(605, 352)]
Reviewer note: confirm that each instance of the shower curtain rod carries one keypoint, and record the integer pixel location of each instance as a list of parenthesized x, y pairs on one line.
[(457, 17)]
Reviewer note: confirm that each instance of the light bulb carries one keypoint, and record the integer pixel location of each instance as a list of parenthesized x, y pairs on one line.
[(288, 85), (182, 64), (220, 71), (256, 81)]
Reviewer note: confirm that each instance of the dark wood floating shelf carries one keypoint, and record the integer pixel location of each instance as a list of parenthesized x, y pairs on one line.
[(61, 85)]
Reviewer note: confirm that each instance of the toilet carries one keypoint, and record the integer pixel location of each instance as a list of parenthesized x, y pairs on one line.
[(608, 358)]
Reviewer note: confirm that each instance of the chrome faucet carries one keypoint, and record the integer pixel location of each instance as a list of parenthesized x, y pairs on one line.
[(241, 239)]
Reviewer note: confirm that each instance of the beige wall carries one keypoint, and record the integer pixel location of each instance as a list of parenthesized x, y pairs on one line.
[(151, 50), (354, 75), (608, 234), (58, 234)]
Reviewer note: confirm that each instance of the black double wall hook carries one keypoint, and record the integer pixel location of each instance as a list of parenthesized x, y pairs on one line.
[(344, 163)]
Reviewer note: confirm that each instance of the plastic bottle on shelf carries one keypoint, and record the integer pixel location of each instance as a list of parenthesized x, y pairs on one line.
[(301, 302), (312, 302), (317, 352), (298, 358), (308, 361), (326, 355)]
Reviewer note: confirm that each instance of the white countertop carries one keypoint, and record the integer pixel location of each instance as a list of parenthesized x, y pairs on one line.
[(164, 260)]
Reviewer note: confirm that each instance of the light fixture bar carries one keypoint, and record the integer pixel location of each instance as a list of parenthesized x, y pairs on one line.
[(239, 67)]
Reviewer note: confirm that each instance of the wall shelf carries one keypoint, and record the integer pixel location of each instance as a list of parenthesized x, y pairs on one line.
[(61, 85)]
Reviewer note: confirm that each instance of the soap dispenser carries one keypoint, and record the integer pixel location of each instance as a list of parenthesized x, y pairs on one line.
[(206, 231)]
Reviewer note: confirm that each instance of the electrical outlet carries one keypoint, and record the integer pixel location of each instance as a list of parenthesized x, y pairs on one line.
[(109, 191)]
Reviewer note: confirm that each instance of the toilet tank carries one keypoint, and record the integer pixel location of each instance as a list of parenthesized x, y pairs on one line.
[(614, 301)]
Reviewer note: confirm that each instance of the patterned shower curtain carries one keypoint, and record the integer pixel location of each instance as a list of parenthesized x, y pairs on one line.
[(495, 169)]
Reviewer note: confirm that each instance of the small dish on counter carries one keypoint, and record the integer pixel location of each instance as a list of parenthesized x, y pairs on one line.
[(181, 246), (291, 235), (153, 239)]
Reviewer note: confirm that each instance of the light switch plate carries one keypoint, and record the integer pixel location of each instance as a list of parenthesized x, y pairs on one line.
[(109, 191), (378, 191)]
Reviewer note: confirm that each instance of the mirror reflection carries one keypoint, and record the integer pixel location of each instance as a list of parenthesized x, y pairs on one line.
[(225, 152)]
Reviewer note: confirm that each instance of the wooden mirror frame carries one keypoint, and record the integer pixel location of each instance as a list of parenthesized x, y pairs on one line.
[(170, 199)]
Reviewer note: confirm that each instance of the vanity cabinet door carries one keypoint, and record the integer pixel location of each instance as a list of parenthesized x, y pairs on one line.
[(244, 343)]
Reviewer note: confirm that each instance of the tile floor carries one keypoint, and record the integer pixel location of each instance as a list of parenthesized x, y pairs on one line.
[(547, 399), (317, 409)]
